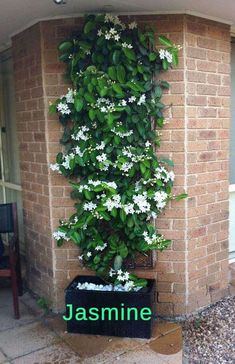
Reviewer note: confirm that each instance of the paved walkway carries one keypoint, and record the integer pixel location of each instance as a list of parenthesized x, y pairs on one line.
[(35, 339)]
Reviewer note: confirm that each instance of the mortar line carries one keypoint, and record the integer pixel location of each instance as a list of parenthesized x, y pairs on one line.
[(185, 164)]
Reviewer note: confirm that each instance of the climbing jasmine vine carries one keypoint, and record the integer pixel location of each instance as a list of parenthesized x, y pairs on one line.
[(111, 115)]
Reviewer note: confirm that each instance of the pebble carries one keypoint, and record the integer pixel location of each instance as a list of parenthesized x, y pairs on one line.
[(209, 337), (101, 287)]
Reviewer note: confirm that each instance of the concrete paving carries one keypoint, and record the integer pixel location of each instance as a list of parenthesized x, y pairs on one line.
[(40, 339)]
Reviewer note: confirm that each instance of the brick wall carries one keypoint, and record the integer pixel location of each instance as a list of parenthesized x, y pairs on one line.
[(32, 132), (193, 271), (207, 118)]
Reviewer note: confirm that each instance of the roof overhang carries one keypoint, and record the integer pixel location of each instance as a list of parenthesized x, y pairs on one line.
[(17, 15)]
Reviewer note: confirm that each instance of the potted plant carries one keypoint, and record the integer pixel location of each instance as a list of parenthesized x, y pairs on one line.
[(110, 118)]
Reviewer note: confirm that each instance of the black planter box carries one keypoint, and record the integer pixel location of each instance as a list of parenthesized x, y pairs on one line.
[(110, 324)]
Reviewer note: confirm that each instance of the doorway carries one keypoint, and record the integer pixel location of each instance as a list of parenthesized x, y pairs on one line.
[(10, 186)]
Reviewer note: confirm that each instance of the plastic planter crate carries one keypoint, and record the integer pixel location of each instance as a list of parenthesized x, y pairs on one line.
[(110, 325)]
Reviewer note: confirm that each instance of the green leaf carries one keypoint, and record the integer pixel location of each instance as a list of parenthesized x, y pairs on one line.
[(52, 108), (123, 251), (142, 168), (96, 259), (104, 91), (175, 59), (122, 215), (130, 222), (90, 98), (165, 41), (59, 158), (121, 73), (169, 162), (110, 120), (129, 53), (117, 89), (112, 73), (79, 160), (87, 194), (158, 91), (164, 64), (75, 237), (84, 45), (114, 212), (152, 56), (181, 197), (105, 215), (117, 264), (90, 25), (78, 103), (165, 84), (92, 114), (116, 56), (65, 46)]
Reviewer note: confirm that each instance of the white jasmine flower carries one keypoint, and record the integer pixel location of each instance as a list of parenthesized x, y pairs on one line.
[(103, 109), (67, 159), (129, 286), (89, 206), (141, 201), (119, 272), (153, 215), (99, 33), (132, 99), (121, 278), (102, 157), (165, 54), (142, 100), (114, 201), (70, 96), (126, 45), (80, 257), (101, 247), (81, 134), (162, 53), (107, 36), (117, 37), (148, 144), (57, 235), (132, 25), (63, 108), (171, 175), (129, 208), (112, 272), (112, 31), (152, 239), (122, 134), (111, 184), (100, 146), (78, 151), (126, 166), (160, 198), (89, 254), (55, 167), (75, 220), (126, 275)]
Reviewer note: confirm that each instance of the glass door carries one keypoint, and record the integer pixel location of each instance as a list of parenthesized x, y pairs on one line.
[(10, 188)]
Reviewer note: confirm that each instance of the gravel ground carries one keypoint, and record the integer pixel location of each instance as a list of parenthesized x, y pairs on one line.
[(209, 338)]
